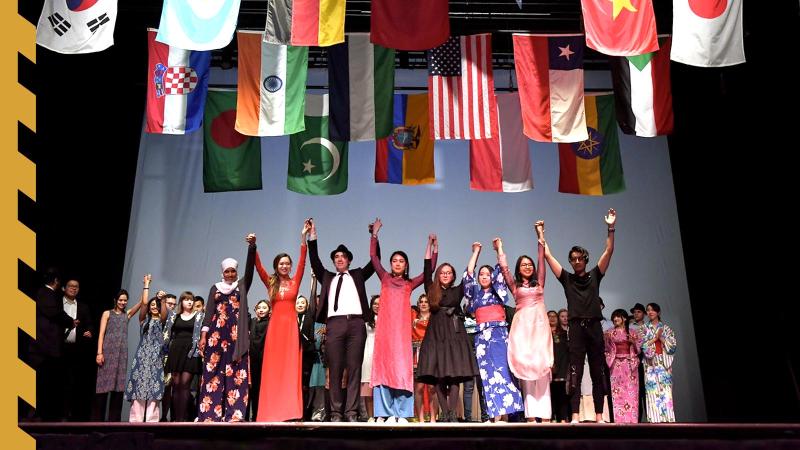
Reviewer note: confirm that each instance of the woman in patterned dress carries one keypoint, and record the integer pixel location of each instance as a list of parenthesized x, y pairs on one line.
[(622, 357), (146, 382), (225, 344), (658, 347), (112, 359), (486, 297)]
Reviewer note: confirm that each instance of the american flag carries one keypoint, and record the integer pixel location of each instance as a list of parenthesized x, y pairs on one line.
[(462, 104)]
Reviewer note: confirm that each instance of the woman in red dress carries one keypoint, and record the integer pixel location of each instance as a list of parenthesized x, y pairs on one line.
[(281, 396)]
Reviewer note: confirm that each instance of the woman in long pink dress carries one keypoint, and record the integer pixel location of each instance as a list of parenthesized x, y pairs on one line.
[(392, 378), (622, 349), (530, 343)]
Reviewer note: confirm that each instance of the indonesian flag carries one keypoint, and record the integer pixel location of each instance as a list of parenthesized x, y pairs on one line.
[(177, 84), (707, 33)]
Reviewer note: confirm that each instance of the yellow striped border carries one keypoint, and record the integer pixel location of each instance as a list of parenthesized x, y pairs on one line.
[(18, 241)]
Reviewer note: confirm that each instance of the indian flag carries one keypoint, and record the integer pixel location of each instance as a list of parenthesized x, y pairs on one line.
[(593, 166), (272, 83)]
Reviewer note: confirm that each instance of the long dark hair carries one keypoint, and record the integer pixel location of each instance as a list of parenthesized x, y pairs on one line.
[(403, 254), (518, 275), (371, 322), (116, 298), (491, 271), (149, 315), (435, 292), (274, 285)]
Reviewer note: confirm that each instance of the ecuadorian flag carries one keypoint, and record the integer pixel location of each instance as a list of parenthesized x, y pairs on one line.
[(593, 166), (406, 156)]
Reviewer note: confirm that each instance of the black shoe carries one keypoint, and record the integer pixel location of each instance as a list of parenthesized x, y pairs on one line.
[(351, 418), (336, 418)]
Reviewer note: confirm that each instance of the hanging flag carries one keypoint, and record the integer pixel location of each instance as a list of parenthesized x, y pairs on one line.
[(707, 33), (272, 86), (461, 85), (502, 163), (317, 165), (317, 23), (409, 24), (643, 92), (361, 85), (620, 27), (198, 24), (77, 26), (594, 166), (231, 160), (550, 76), (177, 83), (406, 156)]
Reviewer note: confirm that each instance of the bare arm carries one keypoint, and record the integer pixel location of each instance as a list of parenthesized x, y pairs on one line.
[(605, 258), (102, 335), (134, 310), (555, 266), (473, 259), (143, 302)]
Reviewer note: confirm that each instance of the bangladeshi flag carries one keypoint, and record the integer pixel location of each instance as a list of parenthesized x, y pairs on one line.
[(594, 166), (231, 160), (620, 27)]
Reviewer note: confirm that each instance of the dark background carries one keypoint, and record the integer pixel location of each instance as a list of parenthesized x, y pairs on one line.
[(732, 153)]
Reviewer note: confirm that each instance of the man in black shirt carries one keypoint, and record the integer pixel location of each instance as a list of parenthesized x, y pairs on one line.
[(582, 290)]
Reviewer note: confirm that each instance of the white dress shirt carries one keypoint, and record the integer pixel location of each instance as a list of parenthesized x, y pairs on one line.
[(349, 302), (71, 308)]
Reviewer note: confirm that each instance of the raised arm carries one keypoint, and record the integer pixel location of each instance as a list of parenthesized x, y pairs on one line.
[(368, 269), (497, 243), (473, 259), (250, 263), (313, 252), (428, 266), (555, 266), (373, 251), (262, 272), (143, 301), (424, 277), (540, 270), (605, 258), (131, 312), (100, 360), (301, 261)]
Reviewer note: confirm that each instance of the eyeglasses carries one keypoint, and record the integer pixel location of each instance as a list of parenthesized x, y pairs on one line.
[(526, 265)]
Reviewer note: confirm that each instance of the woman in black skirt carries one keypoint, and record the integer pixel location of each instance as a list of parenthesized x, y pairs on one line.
[(445, 357), (183, 359)]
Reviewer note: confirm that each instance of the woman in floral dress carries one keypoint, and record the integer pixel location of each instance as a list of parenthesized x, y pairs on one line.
[(658, 347), (487, 296), (622, 357), (225, 343)]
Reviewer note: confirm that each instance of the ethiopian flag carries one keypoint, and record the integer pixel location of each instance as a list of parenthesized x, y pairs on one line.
[(593, 166), (231, 160)]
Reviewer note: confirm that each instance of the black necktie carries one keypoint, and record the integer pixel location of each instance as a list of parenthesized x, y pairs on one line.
[(338, 288)]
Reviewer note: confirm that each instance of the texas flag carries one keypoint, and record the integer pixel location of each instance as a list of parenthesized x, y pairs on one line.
[(177, 84), (707, 33)]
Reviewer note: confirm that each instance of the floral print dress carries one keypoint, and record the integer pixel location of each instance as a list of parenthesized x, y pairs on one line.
[(658, 356), (491, 346), (224, 387)]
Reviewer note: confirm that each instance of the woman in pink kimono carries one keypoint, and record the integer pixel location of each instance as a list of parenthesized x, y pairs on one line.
[(622, 349), (530, 343), (392, 377)]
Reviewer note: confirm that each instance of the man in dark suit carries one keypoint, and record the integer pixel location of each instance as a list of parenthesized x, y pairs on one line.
[(344, 309), (78, 361), (46, 350)]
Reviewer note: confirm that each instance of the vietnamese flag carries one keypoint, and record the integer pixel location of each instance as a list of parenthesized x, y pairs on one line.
[(594, 166), (620, 27), (231, 160), (409, 24)]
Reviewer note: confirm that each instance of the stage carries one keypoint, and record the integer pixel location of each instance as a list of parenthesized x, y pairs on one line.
[(464, 436)]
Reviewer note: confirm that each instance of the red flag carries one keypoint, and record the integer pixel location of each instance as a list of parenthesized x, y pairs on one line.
[(620, 27), (461, 101), (409, 24)]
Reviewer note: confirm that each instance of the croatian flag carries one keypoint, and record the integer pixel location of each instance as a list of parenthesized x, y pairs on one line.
[(177, 85)]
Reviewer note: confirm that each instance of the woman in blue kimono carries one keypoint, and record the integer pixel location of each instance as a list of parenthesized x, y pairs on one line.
[(486, 297)]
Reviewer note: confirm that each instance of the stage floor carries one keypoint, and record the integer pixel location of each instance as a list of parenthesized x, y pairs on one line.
[(463, 436)]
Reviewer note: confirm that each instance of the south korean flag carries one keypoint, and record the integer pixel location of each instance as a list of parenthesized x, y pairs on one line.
[(77, 26)]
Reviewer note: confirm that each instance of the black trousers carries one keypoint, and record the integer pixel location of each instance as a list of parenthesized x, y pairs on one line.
[(345, 338), (586, 338), (49, 395), (559, 400)]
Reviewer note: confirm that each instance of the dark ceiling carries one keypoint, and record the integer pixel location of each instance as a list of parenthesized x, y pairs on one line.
[(501, 17)]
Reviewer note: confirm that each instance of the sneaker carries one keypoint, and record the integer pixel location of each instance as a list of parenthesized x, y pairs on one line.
[(402, 420), (380, 420), (371, 420), (390, 419)]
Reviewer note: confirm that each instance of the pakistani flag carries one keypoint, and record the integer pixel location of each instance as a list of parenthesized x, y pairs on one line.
[(231, 160), (317, 165)]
